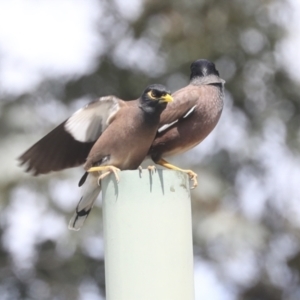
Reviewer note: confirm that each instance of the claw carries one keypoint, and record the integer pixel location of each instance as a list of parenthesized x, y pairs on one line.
[(192, 175), (108, 170), (140, 168), (103, 175), (151, 169)]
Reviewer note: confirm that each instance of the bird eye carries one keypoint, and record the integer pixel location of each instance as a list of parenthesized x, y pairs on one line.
[(154, 94)]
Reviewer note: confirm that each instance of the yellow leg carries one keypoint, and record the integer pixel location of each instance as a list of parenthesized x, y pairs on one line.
[(107, 170), (192, 175)]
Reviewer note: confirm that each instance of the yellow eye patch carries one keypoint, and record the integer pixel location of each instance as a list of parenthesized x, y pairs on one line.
[(152, 95)]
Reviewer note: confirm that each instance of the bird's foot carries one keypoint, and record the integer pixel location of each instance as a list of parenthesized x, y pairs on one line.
[(151, 169), (107, 170), (193, 177), (140, 168)]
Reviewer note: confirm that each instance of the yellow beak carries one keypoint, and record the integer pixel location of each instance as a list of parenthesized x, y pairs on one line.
[(166, 98)]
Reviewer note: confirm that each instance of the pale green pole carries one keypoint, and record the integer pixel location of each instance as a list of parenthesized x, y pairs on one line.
[(148, 236)]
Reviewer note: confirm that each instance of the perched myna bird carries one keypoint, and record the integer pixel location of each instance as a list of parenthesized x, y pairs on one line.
[(191, 117), (107, 135), (184, 124)]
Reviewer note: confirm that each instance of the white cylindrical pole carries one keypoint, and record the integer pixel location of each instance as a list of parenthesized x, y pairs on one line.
[(148, 236)]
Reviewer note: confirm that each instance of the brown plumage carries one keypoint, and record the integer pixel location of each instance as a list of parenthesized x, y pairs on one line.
[(123, 135), (46, 155), (191, 117), (72, 143), (183, 124)]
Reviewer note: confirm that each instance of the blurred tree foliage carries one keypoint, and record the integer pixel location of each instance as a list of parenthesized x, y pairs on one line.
[(254, 255)]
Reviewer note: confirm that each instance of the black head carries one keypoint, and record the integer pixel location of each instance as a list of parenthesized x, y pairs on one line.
[(202, 68), (155, 96)]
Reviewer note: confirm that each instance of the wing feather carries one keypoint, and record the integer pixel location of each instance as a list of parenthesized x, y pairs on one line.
[(69, 144), (185, 101), (87, 124)]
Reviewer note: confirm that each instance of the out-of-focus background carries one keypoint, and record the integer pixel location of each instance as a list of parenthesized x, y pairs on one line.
[(56, 56)]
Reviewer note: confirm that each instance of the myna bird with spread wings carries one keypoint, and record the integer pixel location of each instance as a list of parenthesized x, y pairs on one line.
[(194, 113), (185, 123), (107, 135)]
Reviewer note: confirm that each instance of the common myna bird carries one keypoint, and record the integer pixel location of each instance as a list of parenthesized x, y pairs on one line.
[(107, 135), (184, 124), (191, 117)]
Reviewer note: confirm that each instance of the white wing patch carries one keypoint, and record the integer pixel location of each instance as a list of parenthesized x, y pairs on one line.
[(166, 126), (88, 123), (189, 112)]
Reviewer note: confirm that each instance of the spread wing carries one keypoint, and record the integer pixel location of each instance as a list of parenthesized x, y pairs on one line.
[(68, 144)]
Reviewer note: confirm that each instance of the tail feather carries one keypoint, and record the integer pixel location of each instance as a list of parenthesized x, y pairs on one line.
[(90, 192)]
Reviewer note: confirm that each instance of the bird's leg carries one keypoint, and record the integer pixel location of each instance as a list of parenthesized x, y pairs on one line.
[(192, 175), (107, 170)]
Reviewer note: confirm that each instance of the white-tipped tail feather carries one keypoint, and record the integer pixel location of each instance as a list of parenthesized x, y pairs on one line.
[(90, 192)]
